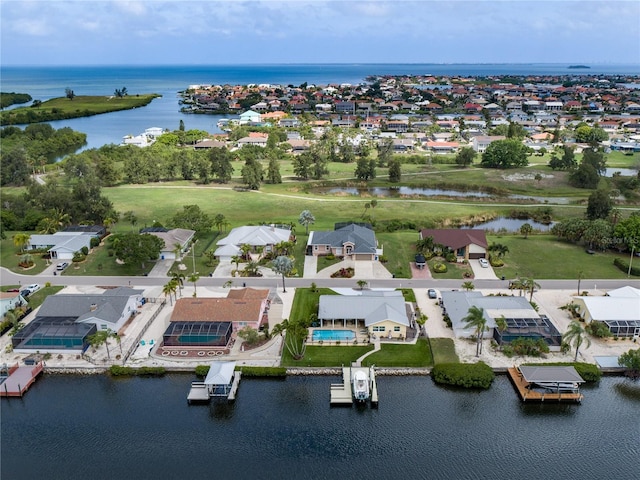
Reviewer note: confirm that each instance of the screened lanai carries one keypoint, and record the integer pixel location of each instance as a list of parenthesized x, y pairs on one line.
[(54, 333), (624, 328), (198, 334)]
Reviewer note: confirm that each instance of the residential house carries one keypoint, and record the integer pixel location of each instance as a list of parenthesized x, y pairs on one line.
[(382, 313), (9, 301), (261, 238), (176, 241), (619, 310), (61, 245), (467, 244), (352, 242), (250, 117), (442, 147), (66, 321), (521, 319), (481, 142)]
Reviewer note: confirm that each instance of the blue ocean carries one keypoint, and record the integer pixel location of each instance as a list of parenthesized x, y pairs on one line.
[(43, 83)]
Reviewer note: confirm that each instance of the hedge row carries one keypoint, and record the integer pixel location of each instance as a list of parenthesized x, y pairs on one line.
[(588, 371), (624, 266), (202, 370), (119, 371), (468, 375)]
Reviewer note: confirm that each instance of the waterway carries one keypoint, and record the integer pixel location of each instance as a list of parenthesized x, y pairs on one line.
[(75, 427)]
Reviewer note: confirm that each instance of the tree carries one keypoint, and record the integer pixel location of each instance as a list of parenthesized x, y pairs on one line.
[(178, 278), (505, 154), (385, 151), (134, 248), (585, 176), (236, 259), (526, 229), (302, 166), (475, 319), (599, 205), (627, 232), (21, 240), (631, 361), (194, 279), (99, 338), (168, 289), (465, 156), (131, 218), (249, 335), (576, 335), (251, 268), (211, 256), (529, 285), (192, 218), (361, 284), (56, 219), (252, 173), (273, 171), (306, 218), (181, 125), (395, 171), (364, 170), (221, 164), (468, 286), (295, 341), (69, 93), (499, 249), (282, 265)]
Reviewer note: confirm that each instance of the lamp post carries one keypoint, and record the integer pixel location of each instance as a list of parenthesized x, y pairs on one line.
[(630, 261)]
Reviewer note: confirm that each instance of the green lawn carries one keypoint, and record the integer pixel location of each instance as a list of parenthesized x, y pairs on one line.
[(399, 250), (99, 263), (444, 350), (10, 256), (545, 257), (324, 262), (454, 270), (394, 355), (321, 356), (196, 261), (305, 302), (35, 299)]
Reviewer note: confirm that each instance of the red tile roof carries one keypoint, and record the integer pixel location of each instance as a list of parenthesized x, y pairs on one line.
[(240, 306)]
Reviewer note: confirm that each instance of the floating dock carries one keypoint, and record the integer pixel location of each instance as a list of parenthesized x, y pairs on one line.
[(528, 394), (20, 379), (342, 394), (222, 381)]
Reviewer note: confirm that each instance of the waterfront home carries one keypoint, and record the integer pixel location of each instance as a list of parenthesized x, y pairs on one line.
[(381, 313), (250, 117), (261, 238), (467, 244), (619, 310), (521, 320), (66, 321), (353, 242)]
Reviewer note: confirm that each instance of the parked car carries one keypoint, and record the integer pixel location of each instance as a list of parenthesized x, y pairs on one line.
[(24, 293), (432, 293), (62, 266), (484, 263), (32, 288)]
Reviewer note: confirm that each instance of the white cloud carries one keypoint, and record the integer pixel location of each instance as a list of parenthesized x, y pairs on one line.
[(134, 8)]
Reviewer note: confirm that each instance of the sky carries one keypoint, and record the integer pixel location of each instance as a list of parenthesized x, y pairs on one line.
[(155, 32)]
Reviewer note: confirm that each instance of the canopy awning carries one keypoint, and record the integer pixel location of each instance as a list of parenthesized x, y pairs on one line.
[(220, 373), (546, 374)]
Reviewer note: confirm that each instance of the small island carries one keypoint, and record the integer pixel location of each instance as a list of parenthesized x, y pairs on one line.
[(73, 106), (579, 67)]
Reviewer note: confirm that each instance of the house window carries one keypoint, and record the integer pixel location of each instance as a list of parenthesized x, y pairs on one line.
[(315, 247), (103, 326), (326, 247), (379, 328), (396, 329)]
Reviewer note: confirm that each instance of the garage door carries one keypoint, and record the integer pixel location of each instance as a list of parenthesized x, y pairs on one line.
[(475, 256)]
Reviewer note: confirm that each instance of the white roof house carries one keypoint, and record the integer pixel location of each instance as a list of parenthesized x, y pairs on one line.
[(371, 306), (256, 236), (62, 245), (177, 237), (619, 310)]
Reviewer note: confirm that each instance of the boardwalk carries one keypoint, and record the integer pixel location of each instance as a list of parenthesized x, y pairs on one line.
[(529, 395), (20, 379)]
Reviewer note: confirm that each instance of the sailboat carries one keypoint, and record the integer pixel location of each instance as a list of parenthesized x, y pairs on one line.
[(360, 386)]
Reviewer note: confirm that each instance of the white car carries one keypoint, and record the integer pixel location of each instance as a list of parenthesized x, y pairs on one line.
[(32, 288), (484, 263)]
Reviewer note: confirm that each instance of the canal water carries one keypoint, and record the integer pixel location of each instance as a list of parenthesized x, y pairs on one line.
[(73, 427)]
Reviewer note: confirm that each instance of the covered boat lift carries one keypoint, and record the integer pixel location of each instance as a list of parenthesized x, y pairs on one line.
[(547, 383), (221, 381)]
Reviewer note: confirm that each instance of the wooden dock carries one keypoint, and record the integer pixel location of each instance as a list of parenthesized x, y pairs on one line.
[(20, 379), (341, 393), (527, 394), (234, 385), (200, 392)]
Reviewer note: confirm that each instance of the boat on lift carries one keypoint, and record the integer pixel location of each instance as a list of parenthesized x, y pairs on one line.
[(360, 386)]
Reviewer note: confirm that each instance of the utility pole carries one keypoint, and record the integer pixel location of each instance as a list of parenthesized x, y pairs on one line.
[(630, 261)]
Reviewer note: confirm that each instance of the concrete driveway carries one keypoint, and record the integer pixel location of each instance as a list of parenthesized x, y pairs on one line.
[(480, 273)]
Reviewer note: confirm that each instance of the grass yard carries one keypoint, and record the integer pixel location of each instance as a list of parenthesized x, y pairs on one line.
[(443, 350), (99, 263), (305, 302), (546, 257), (394, 355), (10, 256), (399, 250), (321, 356), (197, 259), (36, 299), (454, 270), (324, 262)]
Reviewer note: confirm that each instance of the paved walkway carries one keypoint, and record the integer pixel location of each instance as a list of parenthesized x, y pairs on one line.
[(310, 266)]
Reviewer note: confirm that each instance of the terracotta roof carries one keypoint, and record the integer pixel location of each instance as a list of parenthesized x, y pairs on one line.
[(455, 238), (217, 310), (245, 293)]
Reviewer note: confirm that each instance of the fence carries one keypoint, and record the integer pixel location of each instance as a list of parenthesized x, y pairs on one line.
[(134, 344)]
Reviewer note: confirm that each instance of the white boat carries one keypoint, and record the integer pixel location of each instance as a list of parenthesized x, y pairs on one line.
[(561, 386), (360, 386)]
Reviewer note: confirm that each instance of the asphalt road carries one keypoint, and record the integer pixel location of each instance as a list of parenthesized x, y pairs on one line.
[(10, 278)]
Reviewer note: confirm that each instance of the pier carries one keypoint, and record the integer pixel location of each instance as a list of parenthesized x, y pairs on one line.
[(529, 393), (342, 393), (19, 379), (222, 381)]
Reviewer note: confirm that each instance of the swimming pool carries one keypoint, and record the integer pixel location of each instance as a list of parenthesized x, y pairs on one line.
[(333, 335)]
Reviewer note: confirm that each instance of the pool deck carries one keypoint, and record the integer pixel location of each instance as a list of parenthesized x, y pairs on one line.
[(360, 337)]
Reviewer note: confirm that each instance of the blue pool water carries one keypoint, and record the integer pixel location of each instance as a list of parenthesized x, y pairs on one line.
[(333, 335)]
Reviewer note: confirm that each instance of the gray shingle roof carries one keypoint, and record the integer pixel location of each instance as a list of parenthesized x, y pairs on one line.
[(364, 239), (374, 307)]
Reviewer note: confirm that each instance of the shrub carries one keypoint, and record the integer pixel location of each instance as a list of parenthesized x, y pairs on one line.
[(439, 268), (529, 346), (85, 250), (202, 370), (496, 262), (343, 273), (120, 371), (507, 350), (263, 371), (598, 329), (94, 242), (447, 321), (467, 375), (383, 259), (331, 256), (624, 266), (451, 257)]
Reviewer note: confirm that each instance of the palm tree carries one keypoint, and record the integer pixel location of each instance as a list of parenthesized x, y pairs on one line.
[(468, 286), (526, 229), (306, 218), (21, 240), (168, 289), (282, 265), (193, 279), (475, 319), (236, 259), (576, 335), (56, 219), (211, 256), (178, 278), (245, 248), (529, 284), (251, 268)]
